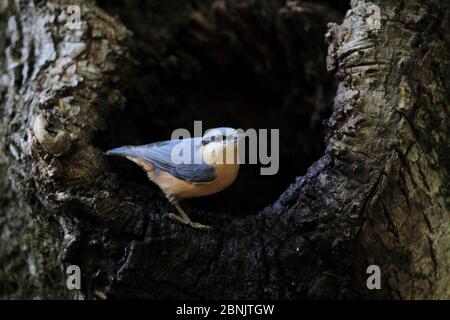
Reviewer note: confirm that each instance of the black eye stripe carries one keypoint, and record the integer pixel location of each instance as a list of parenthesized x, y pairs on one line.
[(214, 139)]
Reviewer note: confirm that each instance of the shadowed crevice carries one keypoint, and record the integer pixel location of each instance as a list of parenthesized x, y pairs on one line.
[(227, 64)]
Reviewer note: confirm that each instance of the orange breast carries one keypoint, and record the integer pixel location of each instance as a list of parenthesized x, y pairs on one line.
[(177, 189)]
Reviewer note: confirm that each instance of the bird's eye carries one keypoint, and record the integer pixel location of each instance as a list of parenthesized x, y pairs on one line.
[(213, 138), (224, 137)]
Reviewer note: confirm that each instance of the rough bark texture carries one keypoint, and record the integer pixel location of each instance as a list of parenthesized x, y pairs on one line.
[(379, 194)]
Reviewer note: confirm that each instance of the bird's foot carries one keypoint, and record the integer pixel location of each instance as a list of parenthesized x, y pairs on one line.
[(200, 226), (188, 222)]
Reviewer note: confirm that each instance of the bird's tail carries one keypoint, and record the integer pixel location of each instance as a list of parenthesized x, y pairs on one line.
[(121, 151)]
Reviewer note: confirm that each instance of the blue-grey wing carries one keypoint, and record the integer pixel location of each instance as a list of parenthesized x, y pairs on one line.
[(194, 172), (160, 154)]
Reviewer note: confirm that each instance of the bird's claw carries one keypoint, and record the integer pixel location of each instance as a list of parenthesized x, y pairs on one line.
[(174, 216), (194, 225), (200, 226)]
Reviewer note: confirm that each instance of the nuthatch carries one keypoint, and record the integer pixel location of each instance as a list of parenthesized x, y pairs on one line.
[(208, 171)]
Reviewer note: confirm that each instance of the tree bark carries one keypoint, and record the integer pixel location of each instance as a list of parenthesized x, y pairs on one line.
[(378, 195)]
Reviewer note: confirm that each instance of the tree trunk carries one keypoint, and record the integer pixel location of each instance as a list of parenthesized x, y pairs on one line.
[(371, 189)]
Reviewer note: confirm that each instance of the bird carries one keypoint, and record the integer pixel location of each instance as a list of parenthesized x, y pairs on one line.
[(208, 165)]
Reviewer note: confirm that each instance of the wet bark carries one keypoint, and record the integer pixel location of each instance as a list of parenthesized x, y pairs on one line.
[(378, 194)]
